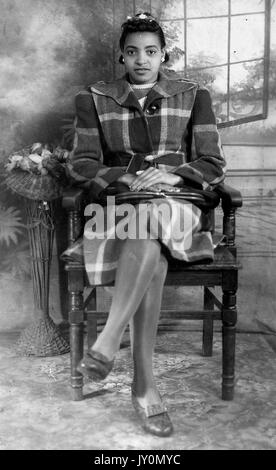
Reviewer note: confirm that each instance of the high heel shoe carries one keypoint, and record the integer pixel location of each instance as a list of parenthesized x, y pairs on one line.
[(95, 365), (154, 418)]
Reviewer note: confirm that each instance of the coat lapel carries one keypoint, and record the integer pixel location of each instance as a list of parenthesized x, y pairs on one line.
[(120, 90)]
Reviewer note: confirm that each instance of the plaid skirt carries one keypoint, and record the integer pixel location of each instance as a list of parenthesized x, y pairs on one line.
[(179, 226)]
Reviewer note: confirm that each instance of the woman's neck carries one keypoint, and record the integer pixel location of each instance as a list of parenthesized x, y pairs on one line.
[(142, 86), (132, 82)]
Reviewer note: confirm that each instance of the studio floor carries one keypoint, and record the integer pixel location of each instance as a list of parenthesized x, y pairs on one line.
[(37, 413)]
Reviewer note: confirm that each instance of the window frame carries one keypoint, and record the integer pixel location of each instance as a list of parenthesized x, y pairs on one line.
[(265, 58)]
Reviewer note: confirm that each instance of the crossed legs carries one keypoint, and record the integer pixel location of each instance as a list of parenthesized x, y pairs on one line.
[(137, 299), (143, 330)]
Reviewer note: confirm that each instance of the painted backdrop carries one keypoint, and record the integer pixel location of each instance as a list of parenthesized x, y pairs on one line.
[(49, 50)]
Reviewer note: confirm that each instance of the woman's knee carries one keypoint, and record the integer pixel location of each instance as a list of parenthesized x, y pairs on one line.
[(161, 268), (144, 249)]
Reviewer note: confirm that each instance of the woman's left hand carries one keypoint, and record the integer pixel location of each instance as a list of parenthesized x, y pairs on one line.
[(153, 176)]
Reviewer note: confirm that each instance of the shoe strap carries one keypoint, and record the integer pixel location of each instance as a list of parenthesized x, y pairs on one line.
[(98, 357), (156, 409)]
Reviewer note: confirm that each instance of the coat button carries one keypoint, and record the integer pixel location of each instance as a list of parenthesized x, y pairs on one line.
[(151, 110)]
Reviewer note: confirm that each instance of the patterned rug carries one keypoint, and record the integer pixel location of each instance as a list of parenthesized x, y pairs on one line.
[(36, 410)]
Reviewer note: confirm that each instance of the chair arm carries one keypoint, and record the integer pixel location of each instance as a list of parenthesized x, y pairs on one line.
[(230, 198), (72, 199)]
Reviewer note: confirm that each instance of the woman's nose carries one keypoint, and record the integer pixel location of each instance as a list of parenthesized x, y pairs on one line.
[(141, 58)]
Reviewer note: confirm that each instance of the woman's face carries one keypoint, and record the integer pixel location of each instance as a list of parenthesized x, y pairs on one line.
[(142, 55)]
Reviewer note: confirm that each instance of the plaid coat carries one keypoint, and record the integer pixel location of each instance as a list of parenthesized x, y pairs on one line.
[(177, 125)]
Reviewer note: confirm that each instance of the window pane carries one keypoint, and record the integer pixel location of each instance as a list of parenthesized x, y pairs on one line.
[(174, 34), (142, 5), (246, 89), (207, 42), (273, 27), (168, 9), (247, 37), (247, 6), (207, 7), (215, 79)]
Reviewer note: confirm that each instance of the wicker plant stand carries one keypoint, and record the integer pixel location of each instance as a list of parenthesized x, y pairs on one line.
[(42, 337)]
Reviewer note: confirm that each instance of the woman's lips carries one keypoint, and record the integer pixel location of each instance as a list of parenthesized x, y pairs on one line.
[(141, 70)]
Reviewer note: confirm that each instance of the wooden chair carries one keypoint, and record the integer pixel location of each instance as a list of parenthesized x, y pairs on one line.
[(222, 272)]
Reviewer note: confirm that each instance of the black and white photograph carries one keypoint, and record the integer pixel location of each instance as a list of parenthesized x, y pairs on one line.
[(137, 228)]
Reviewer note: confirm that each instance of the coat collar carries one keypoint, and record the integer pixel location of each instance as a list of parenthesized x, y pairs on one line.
[(120, 90)]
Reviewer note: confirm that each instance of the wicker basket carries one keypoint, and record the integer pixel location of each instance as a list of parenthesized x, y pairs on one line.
[(33, 186), (41, 338)]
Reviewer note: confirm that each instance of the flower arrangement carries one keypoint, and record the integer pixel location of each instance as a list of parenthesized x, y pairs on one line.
[(37, 171), (37, 158)]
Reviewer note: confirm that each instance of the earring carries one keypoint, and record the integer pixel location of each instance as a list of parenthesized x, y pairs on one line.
[(123, 60), (163, 59)]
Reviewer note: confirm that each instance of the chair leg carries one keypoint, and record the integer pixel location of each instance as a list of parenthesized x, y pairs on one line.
[(208, 325), (92, 319), (229, 319), (76, 317)]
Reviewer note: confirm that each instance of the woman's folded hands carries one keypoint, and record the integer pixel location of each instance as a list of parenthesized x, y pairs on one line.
[(152, 177)]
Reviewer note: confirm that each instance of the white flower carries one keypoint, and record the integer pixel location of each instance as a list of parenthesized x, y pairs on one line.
[(10, 166), (46, 153), (35, 158), (13, 162), (16, 158), (37, 148)]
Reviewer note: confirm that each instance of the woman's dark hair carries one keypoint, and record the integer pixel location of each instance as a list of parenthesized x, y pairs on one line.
[(142, 22)]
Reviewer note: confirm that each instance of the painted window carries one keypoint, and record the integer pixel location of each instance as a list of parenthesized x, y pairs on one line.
[(222, 44)]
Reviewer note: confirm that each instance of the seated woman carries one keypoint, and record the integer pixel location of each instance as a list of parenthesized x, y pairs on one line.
[(143, 113)]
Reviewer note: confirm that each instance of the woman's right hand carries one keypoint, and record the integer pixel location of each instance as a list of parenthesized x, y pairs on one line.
[(126, 178)]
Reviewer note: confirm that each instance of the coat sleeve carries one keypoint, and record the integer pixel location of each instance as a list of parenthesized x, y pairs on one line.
[(207, 165), (86, 167)]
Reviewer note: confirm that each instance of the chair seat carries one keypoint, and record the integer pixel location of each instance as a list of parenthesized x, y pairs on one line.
[(208, 273), (223, 259)]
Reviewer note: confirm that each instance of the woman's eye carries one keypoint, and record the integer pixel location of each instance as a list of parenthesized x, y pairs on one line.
[(151, 52), (130, 52)]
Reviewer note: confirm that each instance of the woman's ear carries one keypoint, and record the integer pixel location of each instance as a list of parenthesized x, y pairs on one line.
[(166, 57), (162, 56)]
